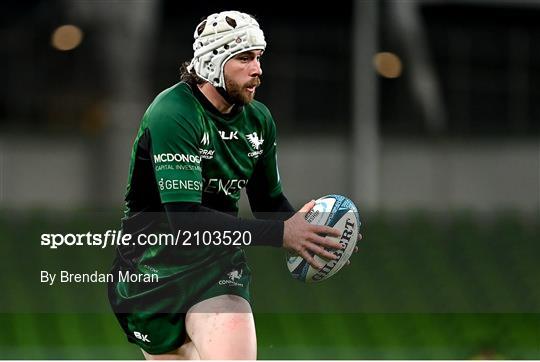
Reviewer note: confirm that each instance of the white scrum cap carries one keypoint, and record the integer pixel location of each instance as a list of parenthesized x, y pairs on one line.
[(220, 37)]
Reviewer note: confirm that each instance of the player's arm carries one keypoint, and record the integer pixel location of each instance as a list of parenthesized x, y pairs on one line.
[(264, 203), (294, 234), (190, 216)]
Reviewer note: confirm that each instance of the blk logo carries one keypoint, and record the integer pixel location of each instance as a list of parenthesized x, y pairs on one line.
[(142, 337), (227, 137)]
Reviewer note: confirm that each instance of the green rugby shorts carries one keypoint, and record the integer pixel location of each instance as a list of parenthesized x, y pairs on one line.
[(152, 315)]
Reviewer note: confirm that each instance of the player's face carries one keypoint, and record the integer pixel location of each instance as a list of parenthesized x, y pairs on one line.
[(242, 76)]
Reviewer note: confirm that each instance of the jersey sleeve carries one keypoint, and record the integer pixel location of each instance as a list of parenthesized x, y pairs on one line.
[(175, 156), (265, 179)]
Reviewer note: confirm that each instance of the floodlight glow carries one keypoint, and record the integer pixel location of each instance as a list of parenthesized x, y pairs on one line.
[(387, 64), (66, 37)]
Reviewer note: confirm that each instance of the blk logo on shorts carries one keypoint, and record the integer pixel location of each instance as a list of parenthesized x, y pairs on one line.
[(142, 337)]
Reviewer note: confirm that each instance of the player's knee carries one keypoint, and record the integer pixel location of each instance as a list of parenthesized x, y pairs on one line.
[(232, 337)]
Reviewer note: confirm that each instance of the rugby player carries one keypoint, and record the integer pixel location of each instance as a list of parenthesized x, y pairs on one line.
[(199, 143)]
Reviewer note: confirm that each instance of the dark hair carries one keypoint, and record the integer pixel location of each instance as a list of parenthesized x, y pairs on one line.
[(190, 78)]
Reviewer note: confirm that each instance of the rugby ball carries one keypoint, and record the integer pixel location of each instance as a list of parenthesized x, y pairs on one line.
[(338, 212)]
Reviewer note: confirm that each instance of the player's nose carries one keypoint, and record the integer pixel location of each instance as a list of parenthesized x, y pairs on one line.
[(255, 69)]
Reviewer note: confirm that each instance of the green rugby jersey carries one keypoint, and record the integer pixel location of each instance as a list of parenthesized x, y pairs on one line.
[(195, 154), (186, 151)]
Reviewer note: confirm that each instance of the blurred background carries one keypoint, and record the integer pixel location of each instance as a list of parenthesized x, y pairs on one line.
[(424, 112)]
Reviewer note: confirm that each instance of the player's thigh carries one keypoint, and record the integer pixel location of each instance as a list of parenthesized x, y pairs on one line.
[(222, 327)]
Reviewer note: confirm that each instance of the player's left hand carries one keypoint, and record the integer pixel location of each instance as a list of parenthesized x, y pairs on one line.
[(355, 248)]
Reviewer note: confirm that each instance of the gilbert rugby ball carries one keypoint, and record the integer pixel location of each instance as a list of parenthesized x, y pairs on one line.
[(338, 212)]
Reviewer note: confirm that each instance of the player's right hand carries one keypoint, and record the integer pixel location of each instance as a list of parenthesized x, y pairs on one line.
[(303, 238)]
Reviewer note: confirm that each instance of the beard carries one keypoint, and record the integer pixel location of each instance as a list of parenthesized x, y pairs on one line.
[(238, 93)]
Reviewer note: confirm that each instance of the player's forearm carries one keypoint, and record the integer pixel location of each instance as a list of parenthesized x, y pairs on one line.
[(271, 208), (195, 217)]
